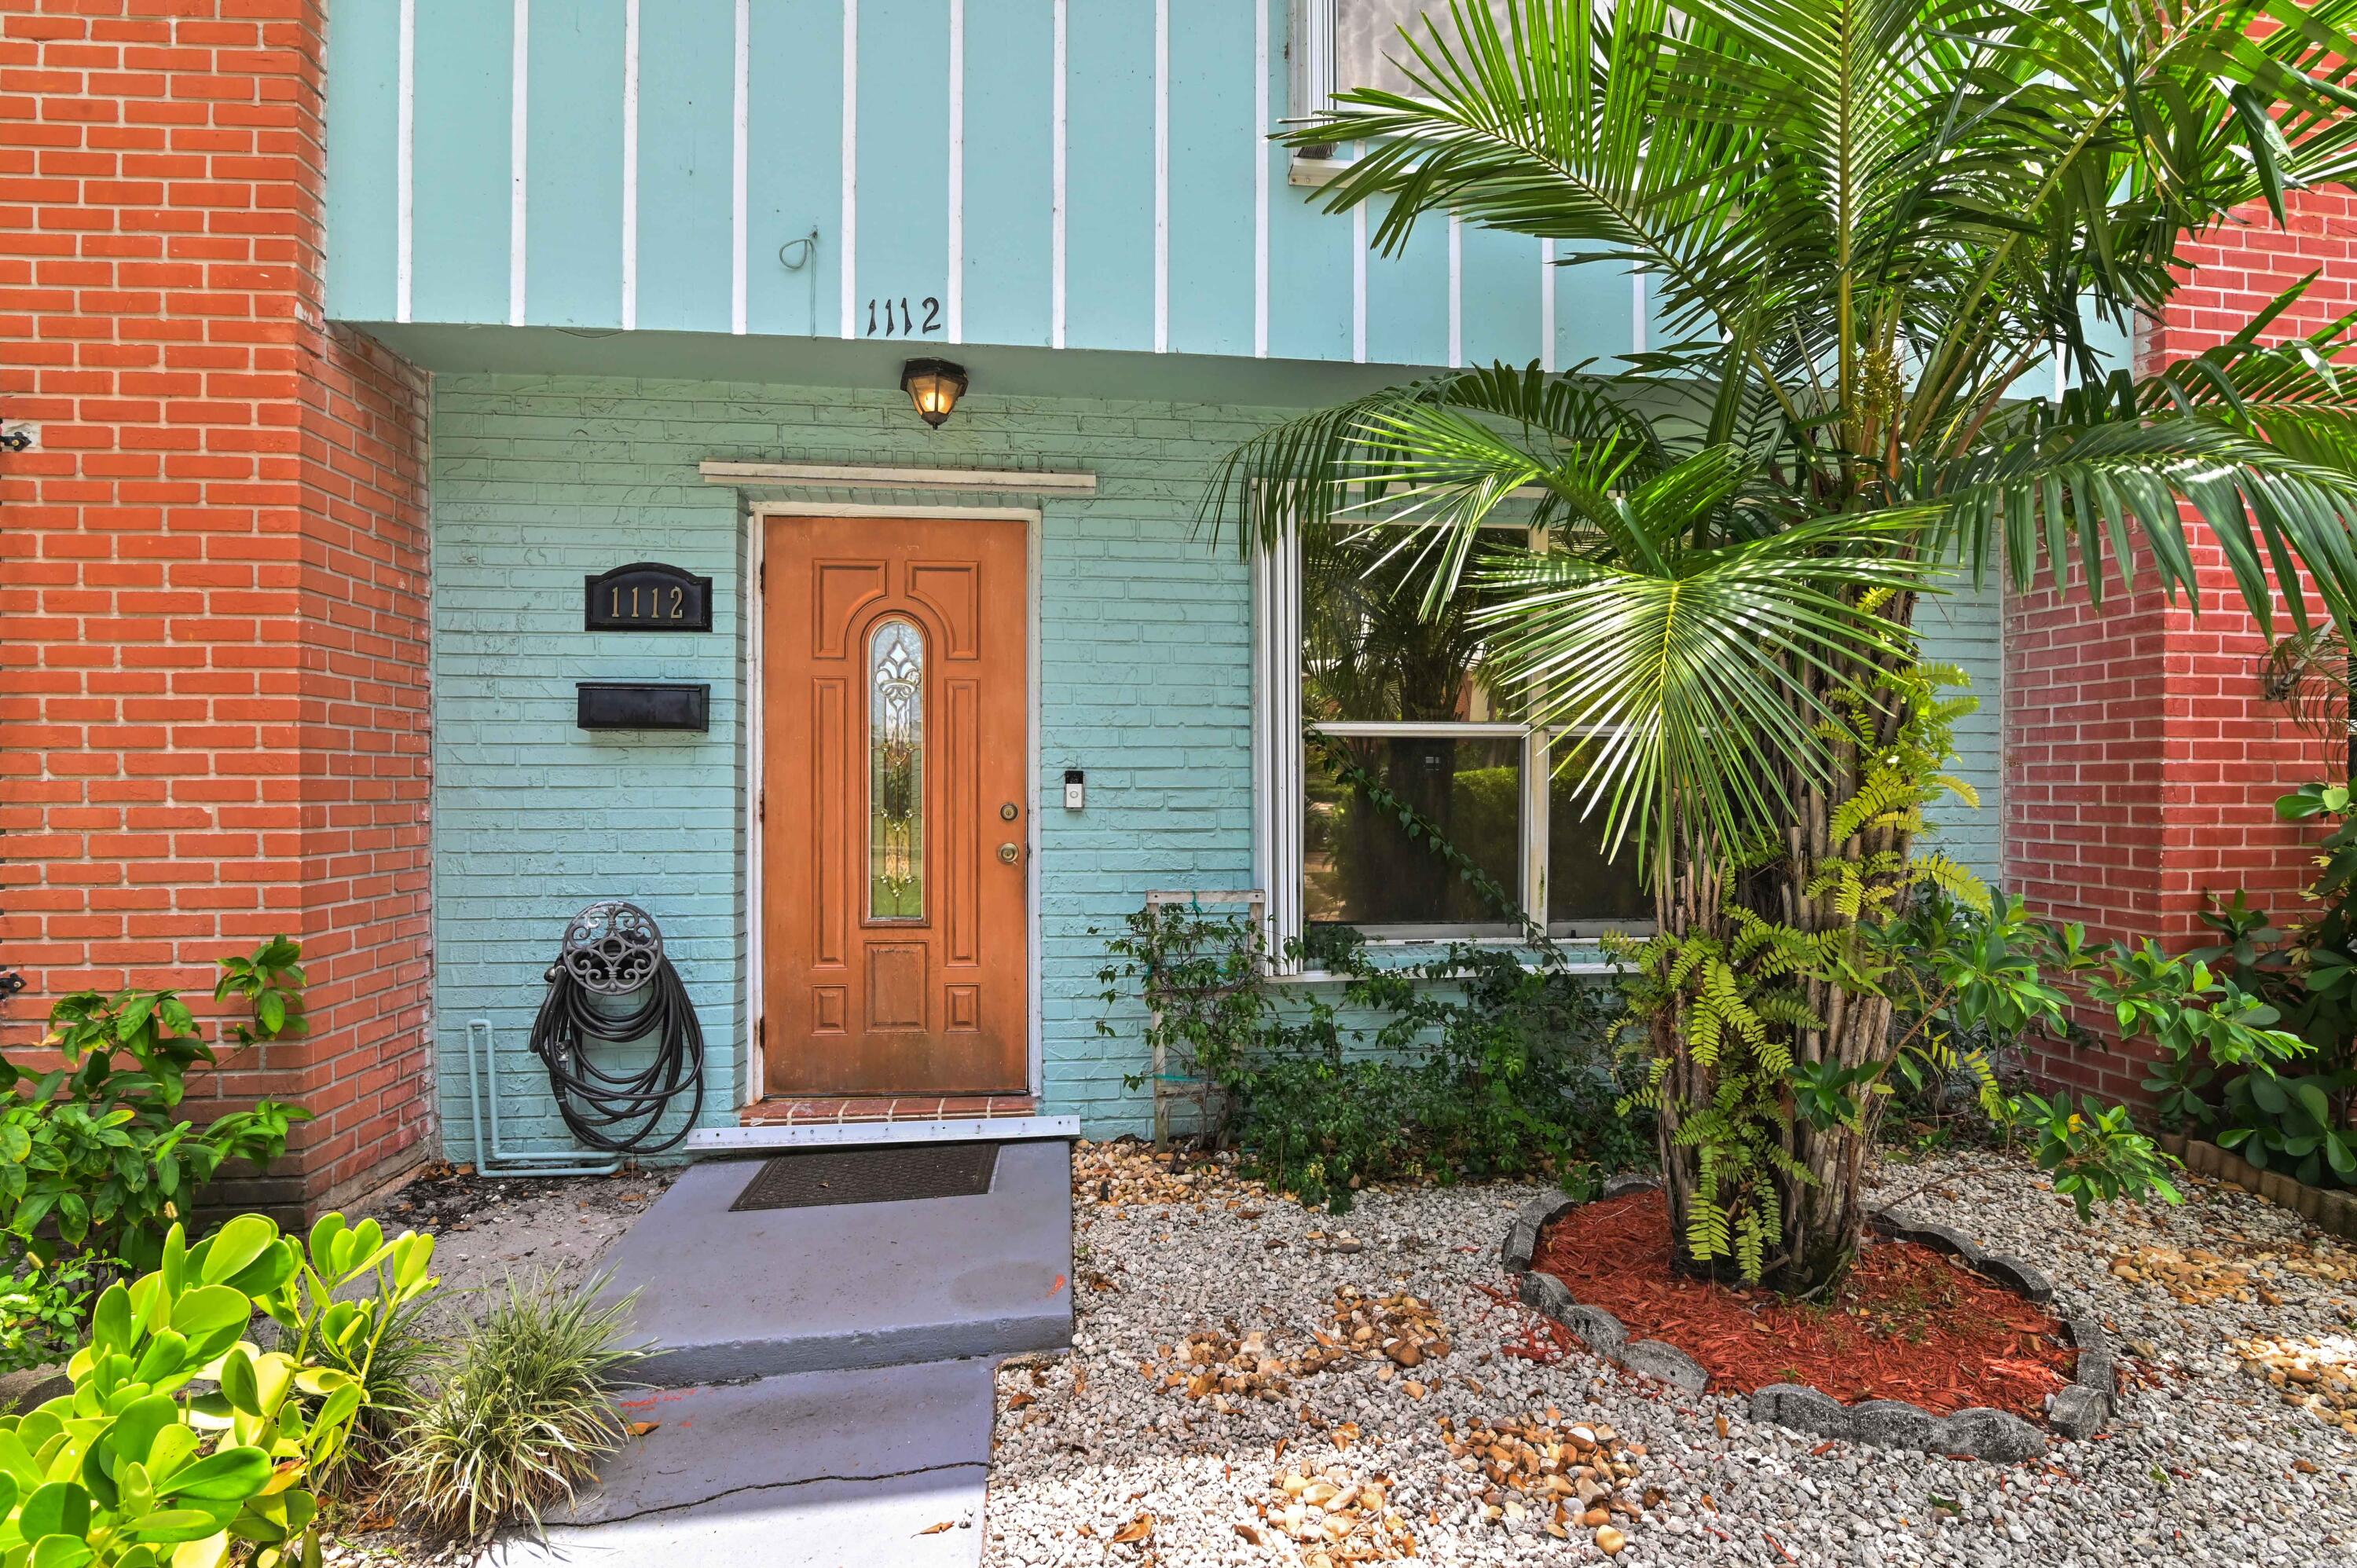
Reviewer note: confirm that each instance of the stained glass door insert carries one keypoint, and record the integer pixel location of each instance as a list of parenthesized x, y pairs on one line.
[(896, 763)]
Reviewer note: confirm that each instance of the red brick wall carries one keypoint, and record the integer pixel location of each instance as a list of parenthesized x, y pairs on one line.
[(214, 574), (2142, 760)]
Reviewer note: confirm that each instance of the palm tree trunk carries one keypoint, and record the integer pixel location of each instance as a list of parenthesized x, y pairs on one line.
[(1823, 1216)]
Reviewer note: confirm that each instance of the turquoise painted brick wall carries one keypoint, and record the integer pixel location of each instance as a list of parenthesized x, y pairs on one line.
[(1145, 662), (1964, 627), (1146, 665)]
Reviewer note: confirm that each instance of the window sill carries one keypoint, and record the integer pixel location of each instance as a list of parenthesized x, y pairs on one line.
[(1313, 174), (1588, 957)]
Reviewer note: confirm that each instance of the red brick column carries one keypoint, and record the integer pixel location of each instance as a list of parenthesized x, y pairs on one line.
[(2142, 760), (213, 569)]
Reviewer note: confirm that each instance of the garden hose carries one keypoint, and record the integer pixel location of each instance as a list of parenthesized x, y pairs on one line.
[(615, 949)]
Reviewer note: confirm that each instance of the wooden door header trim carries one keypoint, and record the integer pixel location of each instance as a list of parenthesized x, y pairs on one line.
[(854, 477), (936, 512)]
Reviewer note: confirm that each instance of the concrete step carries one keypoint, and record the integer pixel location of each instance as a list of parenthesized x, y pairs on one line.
[(820, 1470), (727, 1296)]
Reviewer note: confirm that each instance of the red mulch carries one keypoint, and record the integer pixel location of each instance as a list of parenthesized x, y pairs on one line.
[(1907, 1323)]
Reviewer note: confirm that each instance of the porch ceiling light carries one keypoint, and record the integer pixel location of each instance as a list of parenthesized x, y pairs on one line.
[(934, 386)]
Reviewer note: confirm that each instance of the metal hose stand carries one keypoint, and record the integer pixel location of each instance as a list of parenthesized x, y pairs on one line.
[(500, 1160)]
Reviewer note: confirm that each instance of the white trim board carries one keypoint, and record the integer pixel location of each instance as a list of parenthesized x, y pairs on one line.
[(851, 476), (755, 512)]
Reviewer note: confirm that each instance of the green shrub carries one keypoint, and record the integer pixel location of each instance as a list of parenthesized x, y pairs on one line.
[(135, 1468), (1480, 1062), (1485, 1062), (524, 1412), (1971, 983), (2300, 1125), (43, 1307), (93, 1157)]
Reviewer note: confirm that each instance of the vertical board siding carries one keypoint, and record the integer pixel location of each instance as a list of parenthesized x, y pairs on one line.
[(1501, 295), (573, 136), (464, 84), (363, 61), (1214, 300), (904, 63), (1212, 153), (1408, 297), (686, 159), (1010, 171), (1592, 313), (1660, 330), (1964, 627), (1109, 174), (794, 168)]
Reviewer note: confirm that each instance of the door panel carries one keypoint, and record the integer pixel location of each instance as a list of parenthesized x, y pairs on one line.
[(895, 781)]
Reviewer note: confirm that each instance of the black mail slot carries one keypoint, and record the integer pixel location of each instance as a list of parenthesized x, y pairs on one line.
[(644, 704)]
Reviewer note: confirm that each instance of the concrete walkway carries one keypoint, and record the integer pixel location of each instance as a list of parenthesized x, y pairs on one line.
[(839, 1469), (727, 1295), (822, 1393)]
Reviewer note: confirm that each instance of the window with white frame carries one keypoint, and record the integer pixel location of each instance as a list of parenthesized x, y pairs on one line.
[(1406, 697), (1341, 44)]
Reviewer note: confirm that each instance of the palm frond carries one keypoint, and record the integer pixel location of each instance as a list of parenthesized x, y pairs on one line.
[(1696, 684), (1309, 472), (2107, 476)]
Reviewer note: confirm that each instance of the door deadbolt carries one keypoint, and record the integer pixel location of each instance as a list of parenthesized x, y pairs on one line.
[(1007, 851), (1007, 812)]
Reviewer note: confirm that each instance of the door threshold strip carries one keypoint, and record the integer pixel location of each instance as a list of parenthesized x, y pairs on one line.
[(757, 1137)]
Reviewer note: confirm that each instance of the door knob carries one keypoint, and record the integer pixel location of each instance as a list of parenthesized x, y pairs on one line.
[(1007, 851)]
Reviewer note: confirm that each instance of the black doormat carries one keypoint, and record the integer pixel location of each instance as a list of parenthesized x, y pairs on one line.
[(905, 1173)]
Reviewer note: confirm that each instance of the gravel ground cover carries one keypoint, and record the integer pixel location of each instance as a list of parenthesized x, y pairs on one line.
[(1236, 1445)]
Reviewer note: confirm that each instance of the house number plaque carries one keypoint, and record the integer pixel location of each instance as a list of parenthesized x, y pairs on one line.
[(646, 595)]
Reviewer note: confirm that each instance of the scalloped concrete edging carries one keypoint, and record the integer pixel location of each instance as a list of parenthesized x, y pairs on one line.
[(2321, 1206), (2078, 1412)]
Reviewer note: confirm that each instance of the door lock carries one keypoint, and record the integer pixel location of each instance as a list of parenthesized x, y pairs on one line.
[(1009, 811), (1007, 851)]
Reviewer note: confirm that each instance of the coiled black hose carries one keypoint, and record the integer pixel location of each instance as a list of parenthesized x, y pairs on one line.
[(617, 1112)]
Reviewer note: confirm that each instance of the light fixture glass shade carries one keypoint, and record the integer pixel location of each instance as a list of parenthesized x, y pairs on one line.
[(934, 386)]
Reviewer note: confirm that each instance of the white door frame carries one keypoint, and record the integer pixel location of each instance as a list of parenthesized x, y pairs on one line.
[(757, 514)]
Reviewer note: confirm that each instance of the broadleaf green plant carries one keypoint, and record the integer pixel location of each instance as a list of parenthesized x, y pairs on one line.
[(368, 1335), (92, 1156), (2301, 1126), (143, 1465)]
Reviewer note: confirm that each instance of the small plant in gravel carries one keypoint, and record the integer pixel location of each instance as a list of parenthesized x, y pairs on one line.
[(522, 1412)]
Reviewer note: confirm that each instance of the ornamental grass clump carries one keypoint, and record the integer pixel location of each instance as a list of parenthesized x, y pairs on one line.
[(524, 1411)]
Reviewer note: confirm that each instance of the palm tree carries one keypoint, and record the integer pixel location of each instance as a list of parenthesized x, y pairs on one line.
[(1873, 227)]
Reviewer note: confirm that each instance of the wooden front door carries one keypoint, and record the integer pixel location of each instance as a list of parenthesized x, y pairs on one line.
[(895, 823)]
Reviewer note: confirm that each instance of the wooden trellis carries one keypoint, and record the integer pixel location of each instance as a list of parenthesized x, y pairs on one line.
[(1255, 903)]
